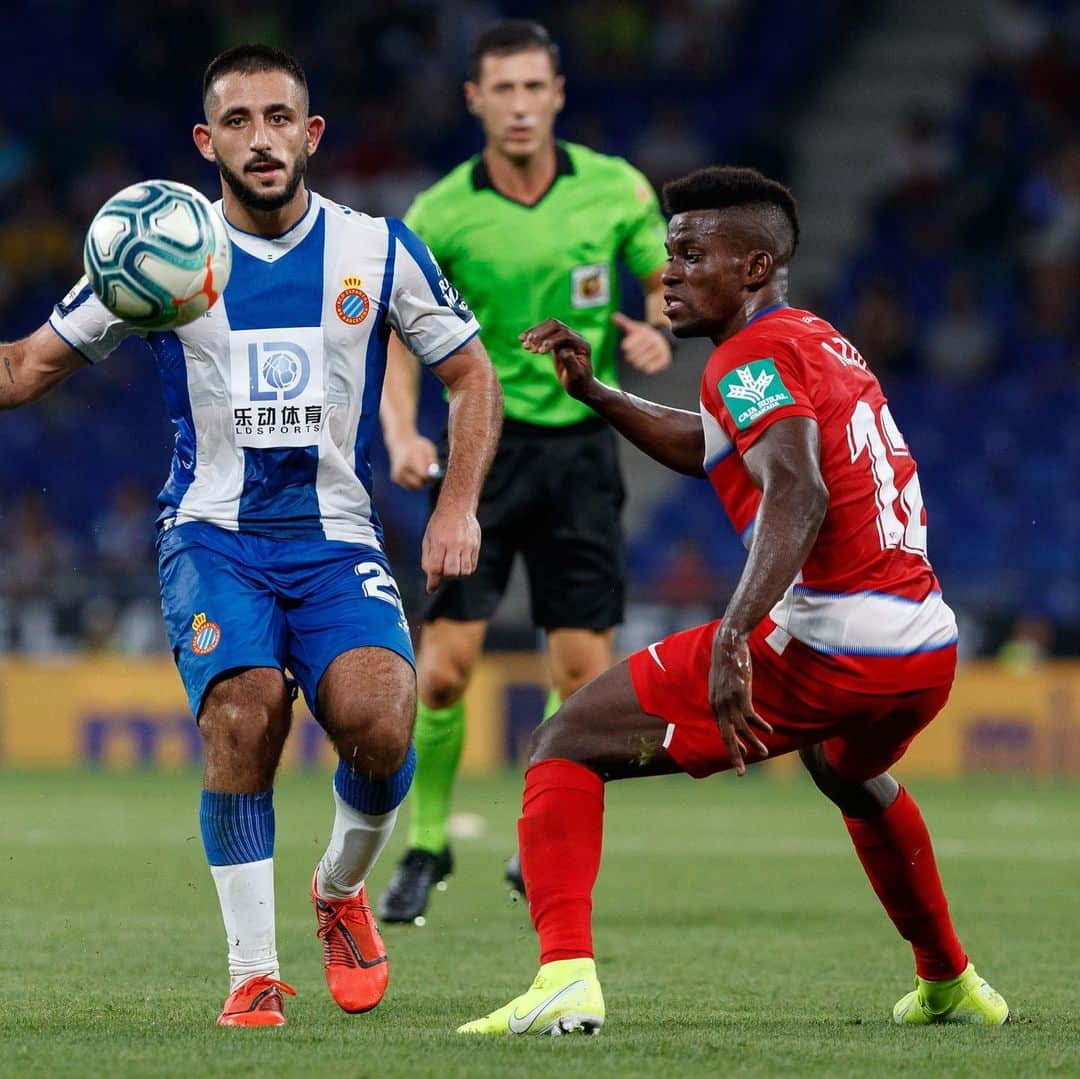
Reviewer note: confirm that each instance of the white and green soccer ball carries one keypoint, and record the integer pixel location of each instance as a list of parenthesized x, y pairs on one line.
[(157, 254)]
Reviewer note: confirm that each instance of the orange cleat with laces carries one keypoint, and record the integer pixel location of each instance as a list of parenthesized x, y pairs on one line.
[(256, 1003), (354, 956)]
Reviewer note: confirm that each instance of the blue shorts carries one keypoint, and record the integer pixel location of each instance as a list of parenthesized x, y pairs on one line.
[(234, 600)]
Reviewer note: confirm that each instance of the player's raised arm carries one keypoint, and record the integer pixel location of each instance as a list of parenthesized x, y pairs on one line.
[(31, 367), (672, 436), (414, 460), (452, 538)]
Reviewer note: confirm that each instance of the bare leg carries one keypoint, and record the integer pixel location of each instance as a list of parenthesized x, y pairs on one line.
[(854, 799), (445, 660), (603, 728), (244, 722), (367, 701), (578, 656)]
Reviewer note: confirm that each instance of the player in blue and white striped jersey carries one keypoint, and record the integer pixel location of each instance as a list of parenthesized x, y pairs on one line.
[(270, 549)]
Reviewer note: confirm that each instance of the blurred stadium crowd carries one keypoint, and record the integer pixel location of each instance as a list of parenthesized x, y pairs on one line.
[(963, 297)]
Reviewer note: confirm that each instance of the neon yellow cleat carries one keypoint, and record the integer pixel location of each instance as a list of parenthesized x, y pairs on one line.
[(964, 999), (566, 996)]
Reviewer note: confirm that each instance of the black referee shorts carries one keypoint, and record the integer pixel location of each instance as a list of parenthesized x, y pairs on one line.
[(554, 495)]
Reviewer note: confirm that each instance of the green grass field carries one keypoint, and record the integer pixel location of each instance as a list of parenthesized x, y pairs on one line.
[(735, 935)]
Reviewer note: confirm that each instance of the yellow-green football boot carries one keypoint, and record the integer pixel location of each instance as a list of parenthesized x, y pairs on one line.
[(966, 998), (565, 997)]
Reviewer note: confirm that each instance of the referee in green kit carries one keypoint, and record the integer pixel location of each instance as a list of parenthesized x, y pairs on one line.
[(529, 229)]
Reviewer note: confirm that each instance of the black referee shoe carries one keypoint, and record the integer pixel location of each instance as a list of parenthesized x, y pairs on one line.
[(512, 876), (406, 896)]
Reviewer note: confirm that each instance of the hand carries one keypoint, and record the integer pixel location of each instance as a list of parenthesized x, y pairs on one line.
[(451, 545), (729, 695), (414, 462), (644, 347), (571, 352)]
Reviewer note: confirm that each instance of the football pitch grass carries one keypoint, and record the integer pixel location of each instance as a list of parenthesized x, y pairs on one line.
[(735, 935)]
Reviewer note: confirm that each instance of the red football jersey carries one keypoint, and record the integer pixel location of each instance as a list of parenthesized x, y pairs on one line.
[(867, 591)]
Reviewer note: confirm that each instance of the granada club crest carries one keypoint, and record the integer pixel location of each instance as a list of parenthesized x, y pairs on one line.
[(352, 304), (205, 635)]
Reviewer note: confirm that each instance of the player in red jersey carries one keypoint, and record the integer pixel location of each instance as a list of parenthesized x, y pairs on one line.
[(836, 642)]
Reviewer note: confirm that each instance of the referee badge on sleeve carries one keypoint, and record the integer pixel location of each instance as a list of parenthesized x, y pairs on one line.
[(590, 286)]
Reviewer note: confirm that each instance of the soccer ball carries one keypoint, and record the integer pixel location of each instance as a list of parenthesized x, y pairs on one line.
[(157, 254)]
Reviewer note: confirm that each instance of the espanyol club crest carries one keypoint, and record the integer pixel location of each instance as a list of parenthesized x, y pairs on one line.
[(205, 635), (352, 304)]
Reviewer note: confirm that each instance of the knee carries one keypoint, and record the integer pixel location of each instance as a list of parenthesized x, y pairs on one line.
[(549, 741), (854, 798), (374, 746), (574, 668), (813, 760), (443, 678), (825, 777), (249, 731), (571, 678)]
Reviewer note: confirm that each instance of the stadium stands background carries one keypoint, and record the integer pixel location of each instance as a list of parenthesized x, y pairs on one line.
[(953, 266)]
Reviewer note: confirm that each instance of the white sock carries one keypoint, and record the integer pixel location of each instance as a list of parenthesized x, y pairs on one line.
[(246, 895), (355, 844)]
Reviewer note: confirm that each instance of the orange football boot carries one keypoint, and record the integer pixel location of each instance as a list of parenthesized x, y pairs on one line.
[(354, 956), (256, 1003)]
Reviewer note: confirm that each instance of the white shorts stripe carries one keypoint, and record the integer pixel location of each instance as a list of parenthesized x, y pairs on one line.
[(865, 623)]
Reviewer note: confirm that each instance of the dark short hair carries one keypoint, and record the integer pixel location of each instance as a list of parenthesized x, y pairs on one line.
[(508, 37), (721, 187), (247, 60)]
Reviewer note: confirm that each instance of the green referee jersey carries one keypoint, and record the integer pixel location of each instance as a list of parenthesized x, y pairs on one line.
[(516, 265)]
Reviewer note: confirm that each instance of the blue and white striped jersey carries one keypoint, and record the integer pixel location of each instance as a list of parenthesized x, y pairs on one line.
[(274, 393)]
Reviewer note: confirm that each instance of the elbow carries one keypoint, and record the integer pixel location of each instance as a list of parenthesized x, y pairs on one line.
[(694, 461), (805, 498), (818, 502), (494, 390), (492, 380)]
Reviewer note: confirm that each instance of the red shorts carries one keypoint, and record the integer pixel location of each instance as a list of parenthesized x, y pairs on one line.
[(863, 733)]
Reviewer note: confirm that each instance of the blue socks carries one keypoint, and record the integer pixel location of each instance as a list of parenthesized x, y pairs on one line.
[(237, 828), (375, 797)]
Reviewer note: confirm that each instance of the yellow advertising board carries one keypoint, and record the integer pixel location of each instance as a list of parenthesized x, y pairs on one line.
[(117, 713)]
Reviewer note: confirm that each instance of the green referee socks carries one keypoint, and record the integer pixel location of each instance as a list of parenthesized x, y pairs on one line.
[(439, 736), (552, 705)]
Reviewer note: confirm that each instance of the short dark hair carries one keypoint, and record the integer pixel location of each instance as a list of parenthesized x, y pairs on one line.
[(720, 187), (247, 60), (508, 37)]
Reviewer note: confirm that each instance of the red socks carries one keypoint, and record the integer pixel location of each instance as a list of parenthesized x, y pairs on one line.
[(561, 832), (896, 852)]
